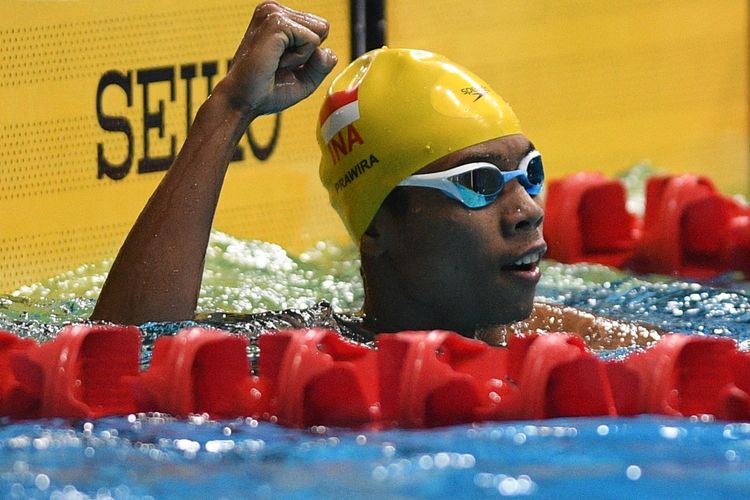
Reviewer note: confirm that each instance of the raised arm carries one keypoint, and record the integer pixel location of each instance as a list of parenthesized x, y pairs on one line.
[(157, 273)]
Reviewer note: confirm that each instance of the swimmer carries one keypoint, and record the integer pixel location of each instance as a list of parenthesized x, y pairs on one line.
[(427, 166)]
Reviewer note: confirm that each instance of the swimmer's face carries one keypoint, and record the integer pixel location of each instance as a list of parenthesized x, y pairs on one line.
[(462, 262)]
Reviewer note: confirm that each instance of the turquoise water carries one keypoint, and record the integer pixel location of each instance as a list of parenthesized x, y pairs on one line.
[(566, 458), (248, 276), (144, 456)]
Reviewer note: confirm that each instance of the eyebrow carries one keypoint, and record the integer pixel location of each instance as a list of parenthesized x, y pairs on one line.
[(501, 160)]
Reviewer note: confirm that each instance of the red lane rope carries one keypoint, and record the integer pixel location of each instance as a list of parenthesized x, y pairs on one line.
[(412, 379), (688, 228)]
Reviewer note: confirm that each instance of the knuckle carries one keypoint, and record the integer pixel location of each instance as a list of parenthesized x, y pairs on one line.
[(266, 8), (277, 18), (272, 21)]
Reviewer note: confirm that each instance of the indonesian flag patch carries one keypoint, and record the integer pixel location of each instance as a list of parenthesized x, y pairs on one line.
[(339, 110)]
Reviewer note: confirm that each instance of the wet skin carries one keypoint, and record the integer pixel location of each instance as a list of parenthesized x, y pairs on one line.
[(438, 266), (454, 264), (157, 273)]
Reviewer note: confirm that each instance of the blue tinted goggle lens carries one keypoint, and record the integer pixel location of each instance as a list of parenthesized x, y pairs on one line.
[(476, 185)]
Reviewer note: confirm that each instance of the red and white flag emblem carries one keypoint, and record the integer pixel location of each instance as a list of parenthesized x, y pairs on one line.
[(339, 110)]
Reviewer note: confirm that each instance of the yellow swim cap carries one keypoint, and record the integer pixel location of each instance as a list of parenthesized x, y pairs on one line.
[(390, 113)]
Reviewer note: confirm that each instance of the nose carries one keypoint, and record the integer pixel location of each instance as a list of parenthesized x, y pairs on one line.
[(521, 212)]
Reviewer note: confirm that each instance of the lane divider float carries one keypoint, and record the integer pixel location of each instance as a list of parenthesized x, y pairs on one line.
[(411, 379), (688, 227)]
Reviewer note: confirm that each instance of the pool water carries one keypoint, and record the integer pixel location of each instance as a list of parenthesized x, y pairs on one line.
[(157, 456), (250, 276), (160, 458), (142, 456)]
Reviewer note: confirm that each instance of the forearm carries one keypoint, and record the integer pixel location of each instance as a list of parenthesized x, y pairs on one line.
[(157, 273)]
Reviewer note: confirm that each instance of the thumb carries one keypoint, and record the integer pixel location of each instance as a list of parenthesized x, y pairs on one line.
[(313, 72)]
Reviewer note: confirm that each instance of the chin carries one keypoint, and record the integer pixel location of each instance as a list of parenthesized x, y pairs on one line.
[(521, 312), (522, 308), (509, 313)]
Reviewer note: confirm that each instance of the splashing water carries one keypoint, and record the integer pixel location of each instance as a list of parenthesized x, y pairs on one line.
[(247, 276), (147, 456)]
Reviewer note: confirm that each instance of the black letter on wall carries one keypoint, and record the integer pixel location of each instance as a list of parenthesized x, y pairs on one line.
[(155, 120), (114, 124), (264, 152), (187, 73)]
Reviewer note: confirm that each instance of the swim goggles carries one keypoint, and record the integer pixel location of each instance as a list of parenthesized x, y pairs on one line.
[(478, 184)]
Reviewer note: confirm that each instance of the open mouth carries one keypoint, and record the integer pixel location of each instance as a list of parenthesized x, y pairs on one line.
[(526, 263)]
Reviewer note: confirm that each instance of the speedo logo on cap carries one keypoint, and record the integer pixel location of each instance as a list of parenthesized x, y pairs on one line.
[(337, 118)]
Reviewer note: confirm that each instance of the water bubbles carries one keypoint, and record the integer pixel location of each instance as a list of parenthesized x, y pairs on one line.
[(561, 432), (633, 472), (669, 432), (442, 460), (17, 491), (253, 276), (426, 462), (42, 443), (484, 480), (737, 431), (19, 442), (466, 461), (69, 492), (506, 485), (530, 430), (42, 482), (20, 467), (510, 486), (188, 446), (379, 473), (199, 419), (251, 445), (219, 445)]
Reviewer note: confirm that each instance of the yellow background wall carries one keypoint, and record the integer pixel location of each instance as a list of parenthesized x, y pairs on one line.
[(56, 212), (597, 84), (601, 85)]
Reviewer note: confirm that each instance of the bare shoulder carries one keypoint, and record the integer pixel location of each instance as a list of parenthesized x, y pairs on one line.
[(599, 332)]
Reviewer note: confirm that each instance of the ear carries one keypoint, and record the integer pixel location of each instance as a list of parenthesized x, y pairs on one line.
[(374, 241)]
